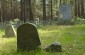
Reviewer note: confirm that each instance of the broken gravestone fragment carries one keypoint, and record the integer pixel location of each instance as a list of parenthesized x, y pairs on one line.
[(27, 37), (54, 47), (10, 31)]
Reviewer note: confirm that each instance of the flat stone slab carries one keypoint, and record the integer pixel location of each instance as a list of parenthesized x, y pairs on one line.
[(54, 47)]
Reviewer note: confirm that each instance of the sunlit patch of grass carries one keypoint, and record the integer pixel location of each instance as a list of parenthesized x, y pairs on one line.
[(8, 45), (1, 33), (72, 39)]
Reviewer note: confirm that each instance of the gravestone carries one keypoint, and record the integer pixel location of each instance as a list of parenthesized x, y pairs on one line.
[(27, 37), (10, 31), (37, 21), (65, 12), (19, 23)]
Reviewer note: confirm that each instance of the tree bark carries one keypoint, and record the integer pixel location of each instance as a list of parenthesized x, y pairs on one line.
[(78, 10), (51, 11), (82, 8), (75, 9), (30, 11), (44, 9)]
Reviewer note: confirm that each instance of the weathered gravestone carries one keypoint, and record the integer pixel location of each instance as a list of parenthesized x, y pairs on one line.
[(19, 23), (37, 21), (10, 31), (65, 12), (27, 37)]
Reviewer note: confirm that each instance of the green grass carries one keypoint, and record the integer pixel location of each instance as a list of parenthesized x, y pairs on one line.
[(72, 39)]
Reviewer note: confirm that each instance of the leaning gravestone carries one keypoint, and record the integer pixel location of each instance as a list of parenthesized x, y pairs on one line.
[(10, 31), (27, 37)]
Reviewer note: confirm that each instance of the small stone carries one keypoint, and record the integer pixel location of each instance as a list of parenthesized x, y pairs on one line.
[(55, 47)]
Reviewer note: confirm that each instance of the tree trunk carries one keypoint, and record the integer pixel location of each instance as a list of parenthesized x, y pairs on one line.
[(30, 11), (82, 8), (51, 11), (75, 9), (60, 1), (0, 11), (78, 10), (44, 9), (22, 17), (11, 10)]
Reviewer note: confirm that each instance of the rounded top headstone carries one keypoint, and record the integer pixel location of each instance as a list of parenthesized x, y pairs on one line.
[(27, 37)]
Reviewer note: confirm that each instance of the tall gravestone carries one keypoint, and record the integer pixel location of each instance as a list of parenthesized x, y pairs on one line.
[(65, 12), (27, 37)]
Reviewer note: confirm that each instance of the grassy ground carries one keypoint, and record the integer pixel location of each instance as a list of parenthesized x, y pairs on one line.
[(72, 39)]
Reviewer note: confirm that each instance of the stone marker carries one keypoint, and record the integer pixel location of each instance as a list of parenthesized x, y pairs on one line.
[(55, 47), (65, 12), (27, 37), (10, 31), (37, 21)]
